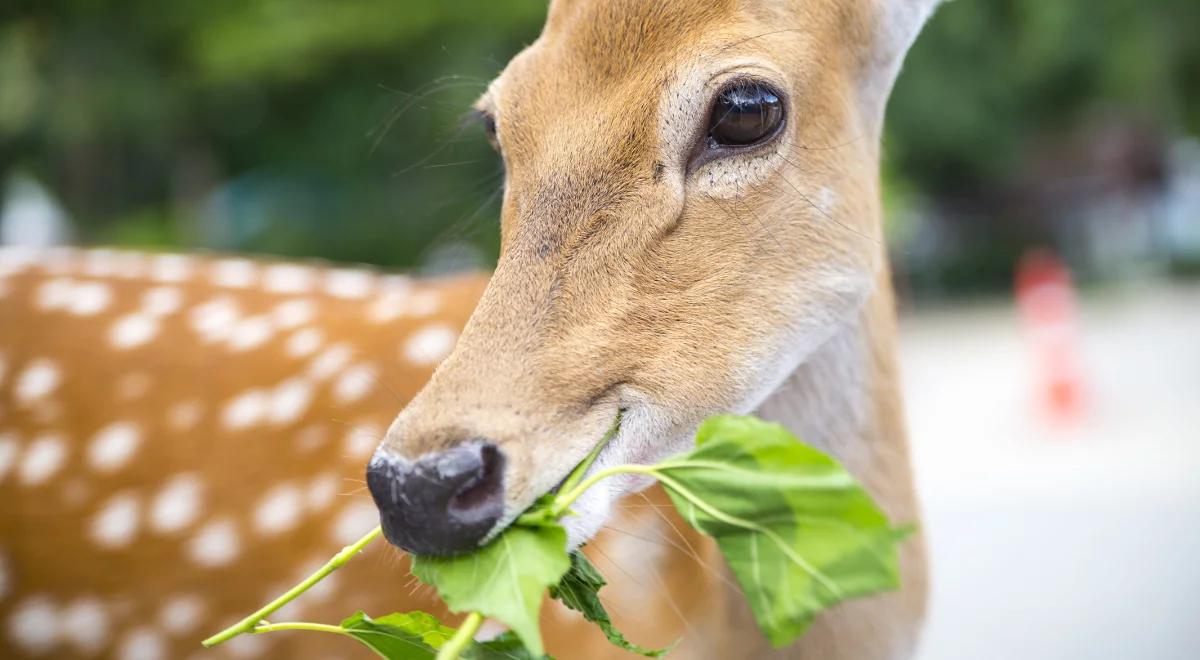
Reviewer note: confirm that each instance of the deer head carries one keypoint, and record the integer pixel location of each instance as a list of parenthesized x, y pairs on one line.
[(690, 210)]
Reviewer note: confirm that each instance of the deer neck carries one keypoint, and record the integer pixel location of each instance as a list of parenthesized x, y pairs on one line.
[(844, 399)]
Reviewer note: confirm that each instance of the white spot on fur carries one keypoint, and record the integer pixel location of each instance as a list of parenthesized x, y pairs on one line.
[(247, 646), (216, 544), (362, 439), (38, 380), (293, 313), (245, 410), (309, 438), (162, 300), (251, 333), (430, 345), (288, 278), (354, 521), (395, 304), (133, 330), (33, 625), (330, 361), (322, 491), (180, 615), (128, 264), (184, 415), (54, 294), (279, 510), (423, 303), (349, 283), (117, 522), (89, 298), (304, 342), (289, 401), (142, 644), (389, 306), (99, 263), (8, 453), (170, 268), (133, 385), (355, 383), (215, 319), (112, 446), (84, 624), (177, 504), (43, 458), (234, 273)]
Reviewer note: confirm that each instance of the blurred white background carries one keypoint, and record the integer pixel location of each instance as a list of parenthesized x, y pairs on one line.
[(1055, 539)]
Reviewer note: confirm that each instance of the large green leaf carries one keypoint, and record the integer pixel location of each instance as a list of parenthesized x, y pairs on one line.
[(505, 580), (407, 636), (580, 591), (798, 531)]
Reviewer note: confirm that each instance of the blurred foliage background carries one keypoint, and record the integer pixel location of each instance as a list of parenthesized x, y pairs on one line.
[(307, 128)]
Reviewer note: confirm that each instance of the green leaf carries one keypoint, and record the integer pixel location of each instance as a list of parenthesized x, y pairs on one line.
[(579, 590), (798, 531), (407, 636), (504, 580)]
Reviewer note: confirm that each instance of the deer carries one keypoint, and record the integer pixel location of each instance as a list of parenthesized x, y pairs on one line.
[(691, 224)]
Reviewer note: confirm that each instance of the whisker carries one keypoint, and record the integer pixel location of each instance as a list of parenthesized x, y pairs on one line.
[(423, 93), (659, 585), (821, 211)]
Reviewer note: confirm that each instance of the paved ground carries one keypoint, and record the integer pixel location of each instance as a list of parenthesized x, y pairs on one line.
[(1052, 542)]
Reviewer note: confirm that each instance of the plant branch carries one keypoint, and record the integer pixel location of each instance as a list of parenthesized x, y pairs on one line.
[(249, 623), (576, 475)]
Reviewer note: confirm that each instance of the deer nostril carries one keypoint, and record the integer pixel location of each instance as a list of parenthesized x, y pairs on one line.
[(484, 492), (440, 504)]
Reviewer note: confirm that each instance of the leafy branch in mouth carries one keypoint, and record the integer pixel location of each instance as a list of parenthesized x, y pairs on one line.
[(799, 533)]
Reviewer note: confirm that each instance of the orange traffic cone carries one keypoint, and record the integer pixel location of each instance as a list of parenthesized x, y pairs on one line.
[(1047, 303)]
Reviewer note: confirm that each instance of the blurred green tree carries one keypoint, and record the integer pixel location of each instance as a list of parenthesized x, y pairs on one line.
[(301, 127)]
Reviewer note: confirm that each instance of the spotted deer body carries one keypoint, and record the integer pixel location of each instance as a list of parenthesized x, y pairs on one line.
[(183, 438), (691, 225)]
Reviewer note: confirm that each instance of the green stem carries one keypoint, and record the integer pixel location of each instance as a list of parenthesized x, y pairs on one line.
[(567, 498), (576, 475), (249, 623), (299, 625), (462, 638)]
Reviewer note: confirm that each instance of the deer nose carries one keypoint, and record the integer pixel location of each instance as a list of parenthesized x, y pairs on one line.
[(439, 504)]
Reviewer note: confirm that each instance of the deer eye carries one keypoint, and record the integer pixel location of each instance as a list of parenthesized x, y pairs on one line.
[(488, 121), (744, 114)]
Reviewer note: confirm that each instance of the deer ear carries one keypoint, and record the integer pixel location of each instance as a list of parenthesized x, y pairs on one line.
[(895, 26)]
